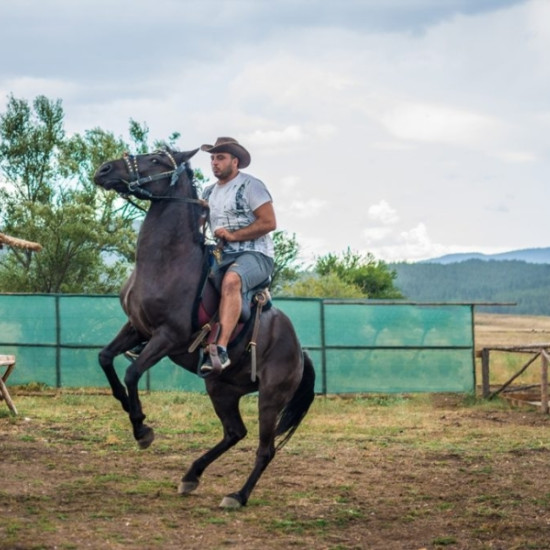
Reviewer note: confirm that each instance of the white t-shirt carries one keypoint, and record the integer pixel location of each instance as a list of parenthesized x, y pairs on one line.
[(232, 206)]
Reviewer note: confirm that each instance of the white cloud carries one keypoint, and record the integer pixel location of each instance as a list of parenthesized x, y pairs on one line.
[(383, 212), (376, 234), (417, 236), (29, 87), (412, 244), (273, 138), (287, 79), (289, 183), (307, 209), (427, 111), (426, 122), (516, 156)]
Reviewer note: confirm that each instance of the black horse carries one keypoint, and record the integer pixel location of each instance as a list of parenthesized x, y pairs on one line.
[(162, 298)]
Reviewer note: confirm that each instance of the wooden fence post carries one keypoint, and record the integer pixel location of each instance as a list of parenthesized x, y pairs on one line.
[(485, 383), (544, 382)]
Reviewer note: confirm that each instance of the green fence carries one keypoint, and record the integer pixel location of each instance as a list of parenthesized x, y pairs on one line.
[(357, 347)]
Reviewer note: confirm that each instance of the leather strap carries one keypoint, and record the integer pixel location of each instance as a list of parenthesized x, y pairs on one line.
[(261, 299), (214, 358)]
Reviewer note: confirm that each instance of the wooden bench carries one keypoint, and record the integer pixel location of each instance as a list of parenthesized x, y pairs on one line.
[(9, 362)]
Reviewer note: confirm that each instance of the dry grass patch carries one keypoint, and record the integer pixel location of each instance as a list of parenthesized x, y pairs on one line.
[(420, 471), (510, 330)]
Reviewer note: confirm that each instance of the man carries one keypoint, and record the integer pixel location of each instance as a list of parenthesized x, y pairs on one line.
[(241, 218)]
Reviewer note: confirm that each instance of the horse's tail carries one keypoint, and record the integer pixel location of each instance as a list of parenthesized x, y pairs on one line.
[(297, 407)]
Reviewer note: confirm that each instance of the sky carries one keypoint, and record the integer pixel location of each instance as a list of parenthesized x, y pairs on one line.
[(407, 129)]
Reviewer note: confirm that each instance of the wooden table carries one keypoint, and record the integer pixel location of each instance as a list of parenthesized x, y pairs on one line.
[(7, 361)]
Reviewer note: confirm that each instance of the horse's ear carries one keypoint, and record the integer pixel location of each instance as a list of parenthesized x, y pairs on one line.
[(188, 154)]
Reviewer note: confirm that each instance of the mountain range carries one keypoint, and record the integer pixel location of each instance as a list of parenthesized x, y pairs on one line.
[(529, 255), (520, 277)]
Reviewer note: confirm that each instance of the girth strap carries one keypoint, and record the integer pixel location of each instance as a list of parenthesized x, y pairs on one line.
[(261, 299)]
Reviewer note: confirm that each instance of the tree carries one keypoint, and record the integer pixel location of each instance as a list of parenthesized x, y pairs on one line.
[(327, 286), (372, 277), (286, 264), (47, 195), (347, 275)]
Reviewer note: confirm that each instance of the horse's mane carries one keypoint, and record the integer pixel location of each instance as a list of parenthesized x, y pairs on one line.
[(198, 235)]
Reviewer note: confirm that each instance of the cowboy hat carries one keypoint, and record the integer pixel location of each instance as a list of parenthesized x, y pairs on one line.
[(231, 146)]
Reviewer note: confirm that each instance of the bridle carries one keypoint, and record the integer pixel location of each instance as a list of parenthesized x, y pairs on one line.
[(135, 183)]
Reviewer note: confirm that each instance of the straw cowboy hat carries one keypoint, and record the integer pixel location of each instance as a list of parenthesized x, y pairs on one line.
[(231, 146)]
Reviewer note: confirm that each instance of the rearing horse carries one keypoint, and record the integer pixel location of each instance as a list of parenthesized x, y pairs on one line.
[(160, 299)]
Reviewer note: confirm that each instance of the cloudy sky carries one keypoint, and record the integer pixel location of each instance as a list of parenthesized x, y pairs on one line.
[(405, 128)]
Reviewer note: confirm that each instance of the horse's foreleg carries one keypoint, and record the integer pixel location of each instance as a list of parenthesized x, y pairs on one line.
[(226, 406), (154, 351), (106, 359), (125, 339)]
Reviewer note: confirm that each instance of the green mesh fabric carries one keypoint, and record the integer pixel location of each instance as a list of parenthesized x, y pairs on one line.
[(355, 347)]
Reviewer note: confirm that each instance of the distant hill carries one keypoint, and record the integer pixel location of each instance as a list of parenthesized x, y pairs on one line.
[(529, 255), (527, 284)]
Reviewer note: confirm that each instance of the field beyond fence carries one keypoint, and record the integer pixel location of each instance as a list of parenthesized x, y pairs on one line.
[(492, 330)]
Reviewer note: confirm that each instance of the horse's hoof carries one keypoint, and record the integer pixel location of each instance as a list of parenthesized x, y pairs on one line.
[(186, 487), (230, 502), (145, 440)]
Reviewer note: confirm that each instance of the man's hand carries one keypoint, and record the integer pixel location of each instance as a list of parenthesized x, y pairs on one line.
[(224, 234), (262, 225)]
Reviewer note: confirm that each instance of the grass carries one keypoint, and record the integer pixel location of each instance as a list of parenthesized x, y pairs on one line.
[(344, 446), (95, 423), (510, 330), (376, 471)]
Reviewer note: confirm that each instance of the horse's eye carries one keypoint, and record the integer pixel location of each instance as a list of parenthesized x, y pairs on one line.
[(155, 161)]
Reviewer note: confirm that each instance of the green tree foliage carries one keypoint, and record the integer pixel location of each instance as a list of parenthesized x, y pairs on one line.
[(286, 263), (346, 275), (371, 277), (327, 286), (47, 195)]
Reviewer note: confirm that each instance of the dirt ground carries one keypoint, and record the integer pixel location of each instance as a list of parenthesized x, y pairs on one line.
[(374, 472), (383, 473)]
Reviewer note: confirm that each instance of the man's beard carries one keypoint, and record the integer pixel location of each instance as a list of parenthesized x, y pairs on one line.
[(224, 174)]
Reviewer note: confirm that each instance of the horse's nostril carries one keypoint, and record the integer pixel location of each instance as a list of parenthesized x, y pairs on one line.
[(105, 169)]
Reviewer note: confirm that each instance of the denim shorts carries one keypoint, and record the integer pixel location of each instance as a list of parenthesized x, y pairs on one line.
[(252, 267)]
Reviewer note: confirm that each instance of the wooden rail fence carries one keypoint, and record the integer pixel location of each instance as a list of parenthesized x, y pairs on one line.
[(536, 351)]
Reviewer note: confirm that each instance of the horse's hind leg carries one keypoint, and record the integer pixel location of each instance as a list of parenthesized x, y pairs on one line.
[(226, 405), (269, 411)]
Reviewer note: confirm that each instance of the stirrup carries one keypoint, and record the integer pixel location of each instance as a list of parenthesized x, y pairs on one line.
[(216, 361), (133, 354)]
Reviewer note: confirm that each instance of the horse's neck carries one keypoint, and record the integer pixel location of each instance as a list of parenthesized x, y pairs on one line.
[(167, 235)]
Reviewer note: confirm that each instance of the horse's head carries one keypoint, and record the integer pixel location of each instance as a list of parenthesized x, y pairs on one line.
[(148, 176)]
